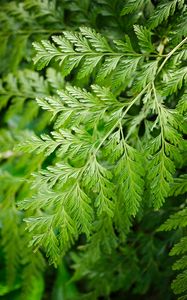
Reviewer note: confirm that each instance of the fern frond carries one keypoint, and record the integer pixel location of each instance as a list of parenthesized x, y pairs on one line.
[(144, 38), (130, 173), (178, 220), (160, 177), (45, 52), (146, 75), (115, 146), (180, 247), (45, 144), (182, 104), (181, 25), (86, 163), (162, 13), (10, 231), (179, 285), (165, 149), (179, 186), (175, 81), (33, 270), (17, 94), (125, 71), (175, 221), (9, 241), (132, 6), (86, 50)]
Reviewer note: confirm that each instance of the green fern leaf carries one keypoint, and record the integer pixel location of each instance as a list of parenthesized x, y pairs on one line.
[(162, 12), (144, 38), (179, 285), (175, 81), (132, 6), (175, 221)]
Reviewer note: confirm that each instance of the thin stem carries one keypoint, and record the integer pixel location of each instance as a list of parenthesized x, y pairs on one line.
[(123, 138), (170, 54), (102, 54), (159, 114), (122, 116)]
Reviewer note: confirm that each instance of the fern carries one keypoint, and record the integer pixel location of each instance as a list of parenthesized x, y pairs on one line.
[(144, 38), (132, 6), (175, 81), (175, 221), (96, 176), (163, 11), (17, 93), (93, 147), (86, 50)]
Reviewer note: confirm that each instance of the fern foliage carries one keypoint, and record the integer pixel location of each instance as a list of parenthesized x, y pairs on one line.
[(93, 145), (178, 220), (93, 125)]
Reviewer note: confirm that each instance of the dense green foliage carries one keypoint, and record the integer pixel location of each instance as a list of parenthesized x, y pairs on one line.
[(93, 101)]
